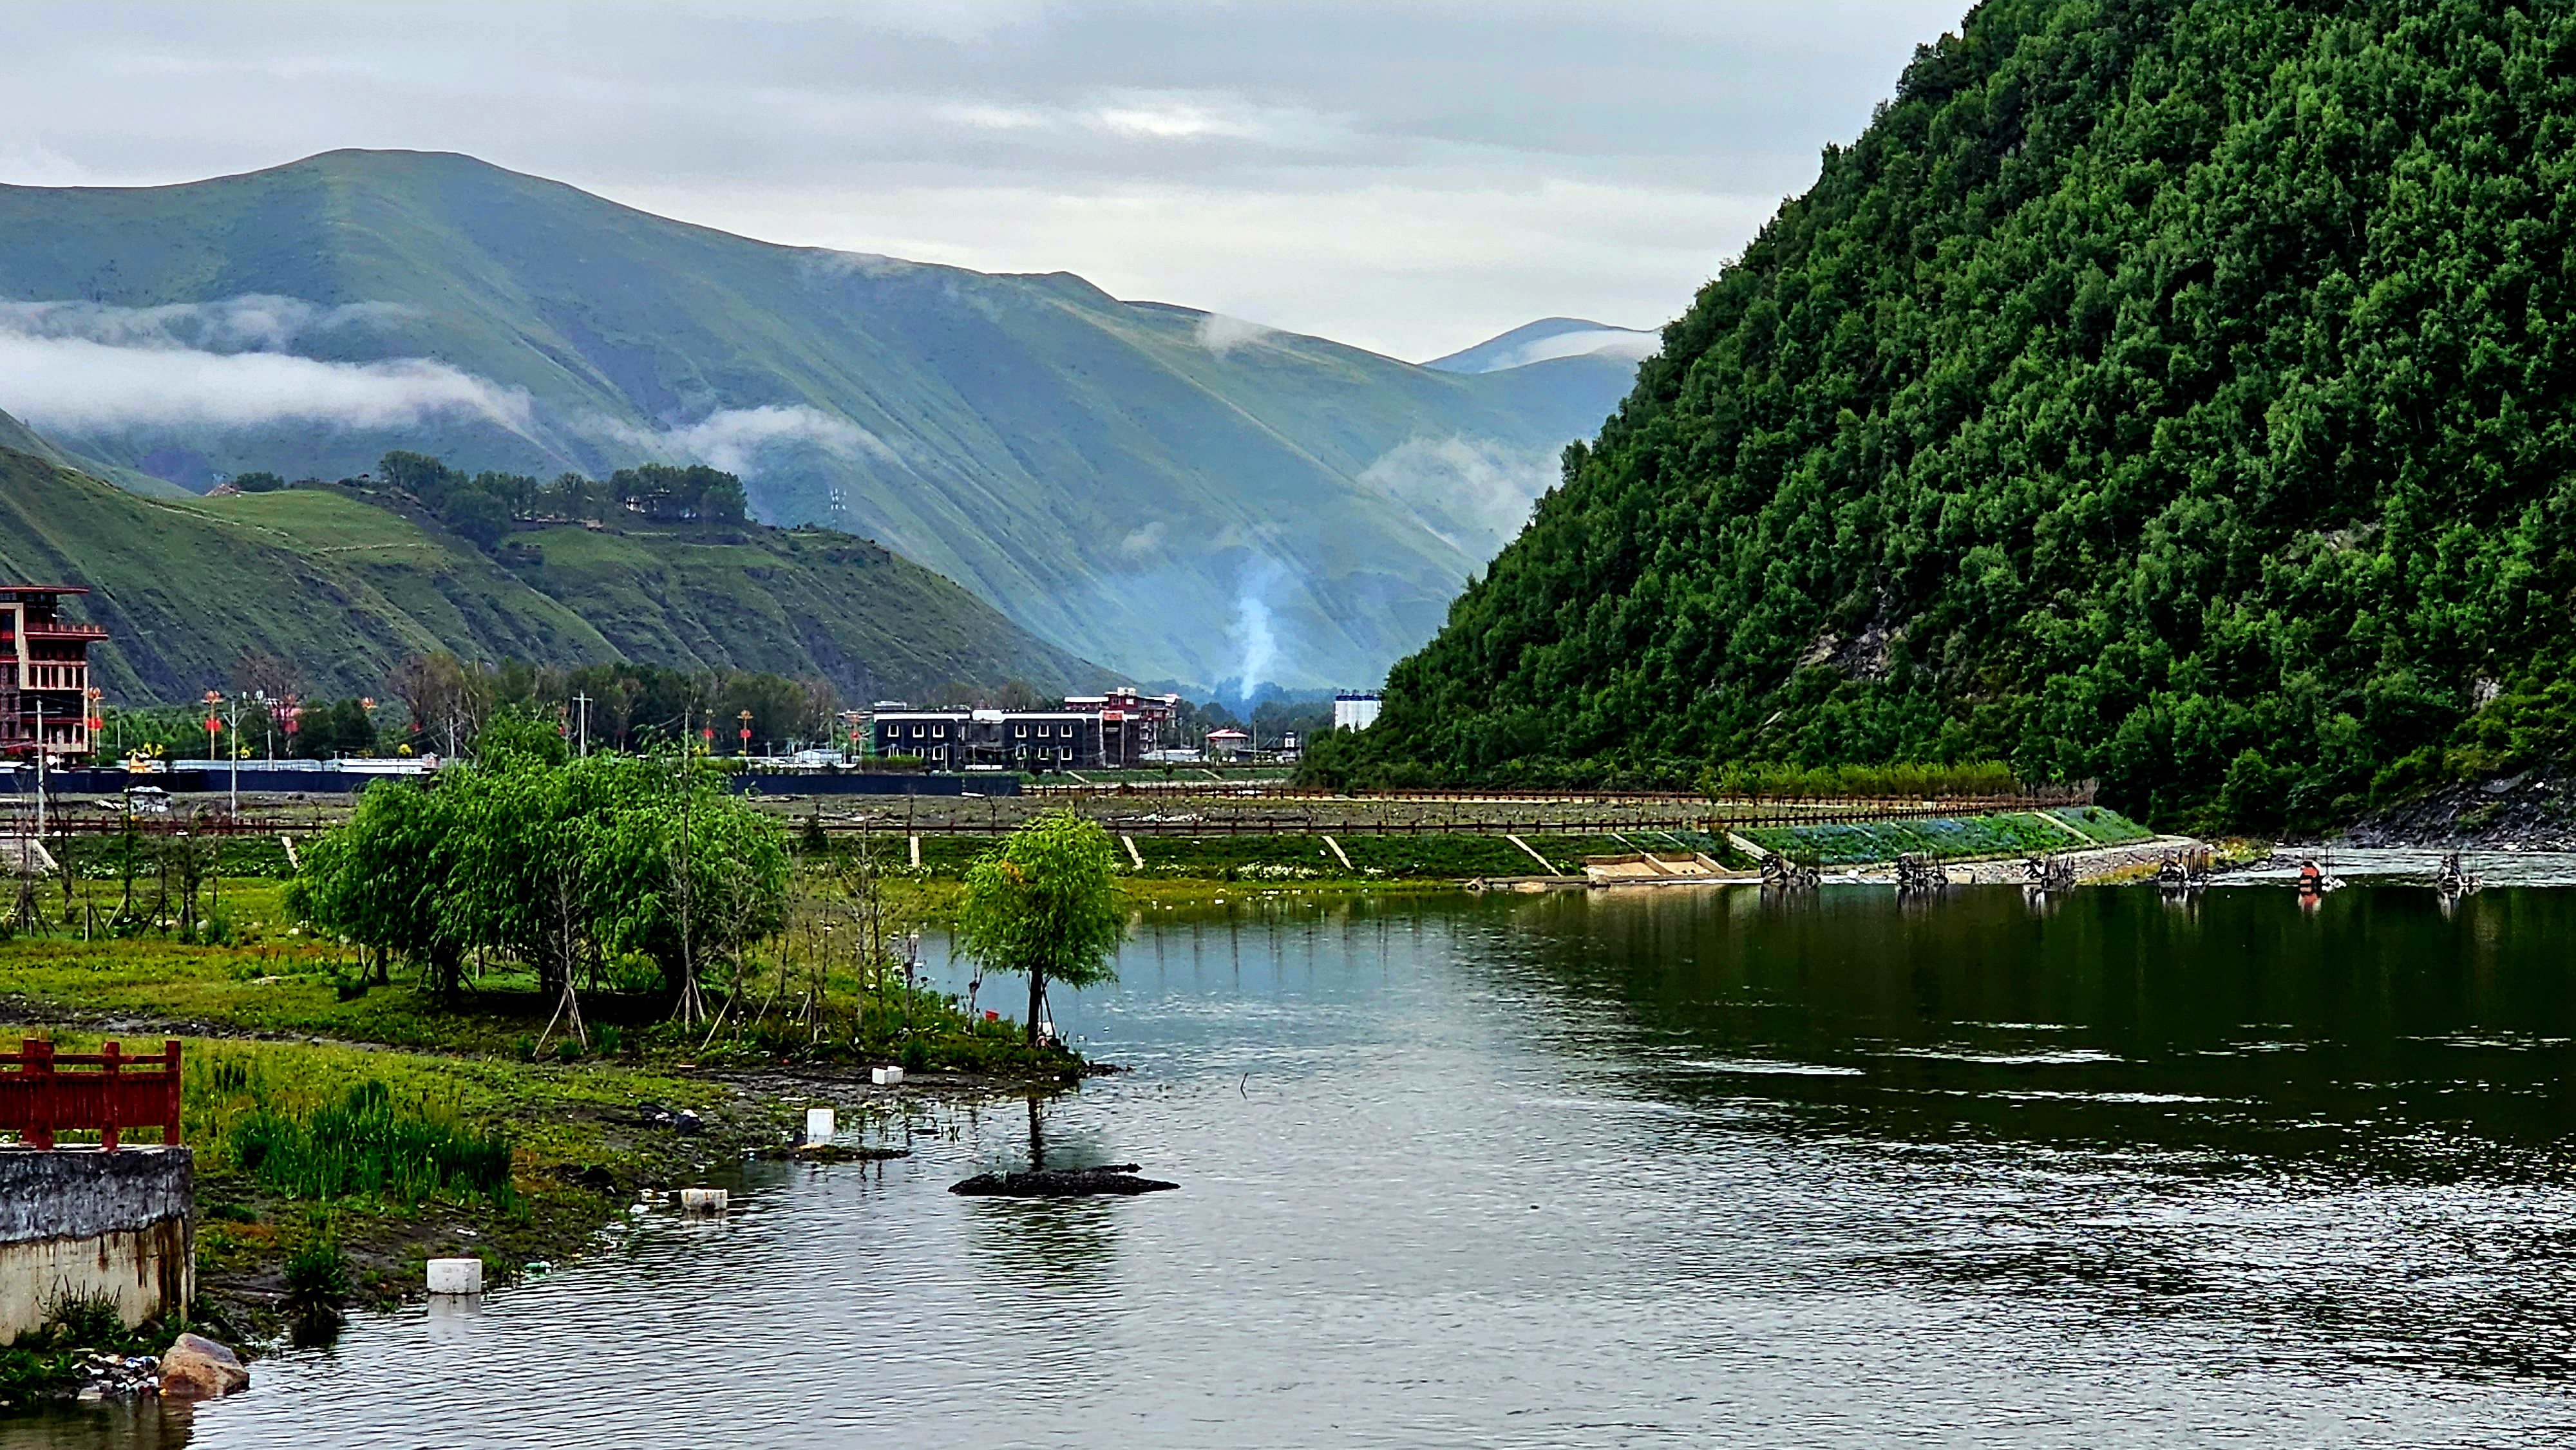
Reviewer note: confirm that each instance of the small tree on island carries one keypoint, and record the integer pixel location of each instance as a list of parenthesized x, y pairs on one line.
[(1045, 905)]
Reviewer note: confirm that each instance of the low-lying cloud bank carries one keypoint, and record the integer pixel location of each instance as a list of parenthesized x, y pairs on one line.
[(1474, 492), (77, 385), (733, 438), (86, 367), (82, 366), (251, 322)]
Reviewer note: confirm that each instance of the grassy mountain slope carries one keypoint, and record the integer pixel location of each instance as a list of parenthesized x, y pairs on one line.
[(345, 590), (1155, 488), (2174, 393), (17, 436)]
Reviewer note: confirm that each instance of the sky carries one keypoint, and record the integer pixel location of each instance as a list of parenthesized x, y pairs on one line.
[(1407, 178)]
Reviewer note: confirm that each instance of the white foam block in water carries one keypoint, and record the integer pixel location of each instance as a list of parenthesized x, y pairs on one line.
[(703, 1200), (819, 1125), (886, 1076), (456, 1276)]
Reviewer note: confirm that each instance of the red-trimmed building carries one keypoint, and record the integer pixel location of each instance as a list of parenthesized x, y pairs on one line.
[(44, 672)]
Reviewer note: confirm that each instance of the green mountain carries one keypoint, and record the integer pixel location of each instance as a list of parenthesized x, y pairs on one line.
[(1172, 493), (17, 436), (344, 590), (2179, 394)]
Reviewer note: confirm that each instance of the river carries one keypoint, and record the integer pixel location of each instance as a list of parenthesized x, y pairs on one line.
[(1676, 1166)]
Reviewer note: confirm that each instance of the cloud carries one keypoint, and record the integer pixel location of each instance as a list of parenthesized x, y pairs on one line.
[(1475, 493), (1220, 334), (75, 384), (253, 321), (1144, 541), (89, 365), (1620, 342), (733, 438)]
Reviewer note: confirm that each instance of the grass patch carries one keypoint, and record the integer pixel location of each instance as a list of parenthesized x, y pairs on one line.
[(367, 1144), (2102, 824), (1852, 843), (1457, 856)]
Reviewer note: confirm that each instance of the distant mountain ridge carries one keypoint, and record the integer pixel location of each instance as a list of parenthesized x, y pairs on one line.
[(1550, 338), (1166, 491)]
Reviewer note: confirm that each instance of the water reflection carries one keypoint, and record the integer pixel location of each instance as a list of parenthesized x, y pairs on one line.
[(1690, 1166)]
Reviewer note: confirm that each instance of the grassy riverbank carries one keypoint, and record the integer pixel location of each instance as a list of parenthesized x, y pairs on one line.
[(349, 1127)]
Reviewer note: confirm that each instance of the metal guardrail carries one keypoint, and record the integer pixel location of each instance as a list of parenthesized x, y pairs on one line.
[(1316, 824)]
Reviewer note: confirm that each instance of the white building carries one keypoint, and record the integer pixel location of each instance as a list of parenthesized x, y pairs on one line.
[(1356, 709)]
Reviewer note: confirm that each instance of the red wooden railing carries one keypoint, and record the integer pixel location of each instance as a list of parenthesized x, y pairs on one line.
[(38, 1100)]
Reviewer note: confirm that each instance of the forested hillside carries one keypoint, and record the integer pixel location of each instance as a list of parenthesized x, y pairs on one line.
[(344, 590), (2176, 394)]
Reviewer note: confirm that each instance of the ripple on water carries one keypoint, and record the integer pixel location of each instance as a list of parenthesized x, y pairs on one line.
[(1557, 1171)]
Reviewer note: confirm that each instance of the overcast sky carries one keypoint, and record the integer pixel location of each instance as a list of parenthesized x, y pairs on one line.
[(1407, 178)]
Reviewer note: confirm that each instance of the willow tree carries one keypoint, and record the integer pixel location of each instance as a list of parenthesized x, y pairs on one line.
[(561, 864), (1045, 905)]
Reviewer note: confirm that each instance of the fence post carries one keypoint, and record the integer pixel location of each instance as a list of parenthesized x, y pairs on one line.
[(38, 1062), (170, 1091), (113, 1098)]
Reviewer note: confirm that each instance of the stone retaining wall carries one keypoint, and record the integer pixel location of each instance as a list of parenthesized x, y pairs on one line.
[(77, 1222)]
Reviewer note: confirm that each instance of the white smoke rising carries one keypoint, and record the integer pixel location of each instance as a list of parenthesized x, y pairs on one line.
[(87, 365), (1476, 493), (732, 438), (1252, 623), (1220, 334)]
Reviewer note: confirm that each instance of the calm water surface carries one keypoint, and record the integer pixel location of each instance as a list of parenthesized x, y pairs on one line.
[(1670, 1167)]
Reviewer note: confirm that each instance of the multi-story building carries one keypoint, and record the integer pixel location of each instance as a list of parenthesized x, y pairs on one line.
[(44, 672), (1089, 733), (998, 739), (1132, 725)]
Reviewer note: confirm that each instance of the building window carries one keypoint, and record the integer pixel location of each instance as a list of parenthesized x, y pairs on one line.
[(1022, 731), (939, 732)]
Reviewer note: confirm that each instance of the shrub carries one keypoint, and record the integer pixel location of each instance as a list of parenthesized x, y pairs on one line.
[(318, 1279)]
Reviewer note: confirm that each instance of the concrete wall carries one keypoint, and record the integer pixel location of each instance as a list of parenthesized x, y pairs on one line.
[(77, 1221)]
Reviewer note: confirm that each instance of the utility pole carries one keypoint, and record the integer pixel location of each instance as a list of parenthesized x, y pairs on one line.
[(584, 702), (236, 791), (40, 773)]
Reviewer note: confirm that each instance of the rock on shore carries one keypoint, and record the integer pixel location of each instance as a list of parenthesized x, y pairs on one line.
[(2532, 811), (197, 1368)]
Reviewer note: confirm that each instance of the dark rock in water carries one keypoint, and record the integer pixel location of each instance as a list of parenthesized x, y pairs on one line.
[(1112, 1178)]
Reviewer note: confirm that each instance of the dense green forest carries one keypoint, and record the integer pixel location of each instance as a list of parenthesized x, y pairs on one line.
[(2175, 394)]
